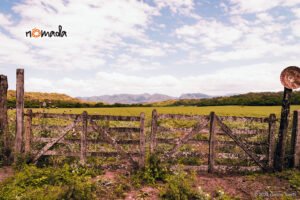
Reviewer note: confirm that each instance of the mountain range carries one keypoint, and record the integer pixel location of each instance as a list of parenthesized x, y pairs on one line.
[(140, 98)]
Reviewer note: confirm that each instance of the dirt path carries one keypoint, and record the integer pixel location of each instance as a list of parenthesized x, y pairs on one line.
[(5, 172), (245, 187)]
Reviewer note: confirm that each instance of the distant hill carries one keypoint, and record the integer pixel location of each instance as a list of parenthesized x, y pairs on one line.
[(128, 98), (194, 96), (42, 96), (249, 99), (35, 99)]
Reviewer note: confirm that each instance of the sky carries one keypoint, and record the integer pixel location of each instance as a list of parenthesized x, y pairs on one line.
[(216, 47)]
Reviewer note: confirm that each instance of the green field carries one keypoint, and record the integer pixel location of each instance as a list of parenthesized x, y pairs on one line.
[(252, 111)]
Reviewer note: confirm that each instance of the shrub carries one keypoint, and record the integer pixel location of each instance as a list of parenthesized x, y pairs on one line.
[(47, 183), (153, 172), (179, 187)]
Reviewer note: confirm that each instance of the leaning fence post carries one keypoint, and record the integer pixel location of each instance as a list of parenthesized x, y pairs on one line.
[(142, 140), (282, 136), (153, 131), (19, 112), (83, 138), (28, 129), (212, 134), (296, 140), (271, 140), (3, 111)]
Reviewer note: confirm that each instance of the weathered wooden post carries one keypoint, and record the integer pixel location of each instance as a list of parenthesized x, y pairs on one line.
[(296, 140), (83, 142), (153, 131), (271, 141), (283, 129), (290, 79), (3, 111), (28, 130), (142, 140), (212, 137), (19, 112)]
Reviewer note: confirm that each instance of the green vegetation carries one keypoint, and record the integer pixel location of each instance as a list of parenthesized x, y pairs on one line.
[(48, 183), (249, 99), (153, 172), (293, 176), (35, 99), (179, 186), (254, 111)]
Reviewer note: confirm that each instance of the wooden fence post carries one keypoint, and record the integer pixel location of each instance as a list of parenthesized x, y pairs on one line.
[(296, 140), (3, 111), (271, 140), (282, 136), (153, 131), (142, 140), (19, 112), (83, 143), (211, 158), (28, 130)]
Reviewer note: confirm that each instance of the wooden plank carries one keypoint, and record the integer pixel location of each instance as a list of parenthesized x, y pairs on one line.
[(271, 141), (55, 115), (184, 139), (113, 142), (283, 130), (89, 141), (142, 141), (182, 117), (19, 113), (223, 168), (244, 119), (245, 147), (88, 153), (114, 118), (28, 131), (50, 144), (205, 141), (83, 135), (3, 112), (154, 126), (235, 156), (89, 128), (212, 138), (218, 131), (295, 140), (90, 117)]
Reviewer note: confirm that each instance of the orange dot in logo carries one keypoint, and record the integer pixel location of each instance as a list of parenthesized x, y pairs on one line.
[(36, 32)]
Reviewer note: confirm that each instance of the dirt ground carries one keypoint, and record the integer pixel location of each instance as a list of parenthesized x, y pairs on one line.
[(259, 186), (247, 187), (265, 186), (5, 172)]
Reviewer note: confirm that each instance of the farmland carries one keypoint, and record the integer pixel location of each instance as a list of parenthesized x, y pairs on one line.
[(254, 111)]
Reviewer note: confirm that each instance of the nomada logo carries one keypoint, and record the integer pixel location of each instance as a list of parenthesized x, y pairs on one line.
[(36, 33)]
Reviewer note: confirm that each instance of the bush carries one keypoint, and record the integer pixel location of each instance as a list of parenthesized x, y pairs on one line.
[(179, 187), (47, 183), (153, 172)]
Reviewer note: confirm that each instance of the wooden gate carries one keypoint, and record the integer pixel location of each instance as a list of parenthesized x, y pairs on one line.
[(212, 143), (83, 135)]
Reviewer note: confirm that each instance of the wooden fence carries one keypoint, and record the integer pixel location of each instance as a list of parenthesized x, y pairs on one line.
[(217, 143), (210, 141), (83, 131)]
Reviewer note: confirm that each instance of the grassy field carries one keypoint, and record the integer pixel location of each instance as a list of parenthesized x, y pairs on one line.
[(254, 111)]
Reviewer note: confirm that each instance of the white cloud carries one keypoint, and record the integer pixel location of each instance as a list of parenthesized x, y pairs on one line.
[(258, 77), (177, 6), (211, 34), (253, 6), (296, 12), (95, 30), (295, 26)]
